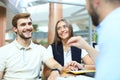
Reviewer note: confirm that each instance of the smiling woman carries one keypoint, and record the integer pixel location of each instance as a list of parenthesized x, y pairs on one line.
[(63, 53)]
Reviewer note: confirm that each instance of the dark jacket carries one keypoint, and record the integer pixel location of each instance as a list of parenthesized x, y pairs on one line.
[(58, 53)]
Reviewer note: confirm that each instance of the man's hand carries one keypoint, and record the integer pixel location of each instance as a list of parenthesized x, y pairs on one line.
[(77, 41), (1, 75)]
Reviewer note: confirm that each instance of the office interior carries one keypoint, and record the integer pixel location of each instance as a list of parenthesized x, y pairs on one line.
[(44, 14)]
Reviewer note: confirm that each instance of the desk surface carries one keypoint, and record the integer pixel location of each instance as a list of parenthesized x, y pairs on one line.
[(79, 77)]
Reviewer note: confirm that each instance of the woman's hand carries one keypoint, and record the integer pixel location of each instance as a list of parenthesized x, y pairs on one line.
[(74, 66)]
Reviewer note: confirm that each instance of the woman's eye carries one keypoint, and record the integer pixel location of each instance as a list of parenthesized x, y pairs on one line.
[(58, 28), (64, 26)]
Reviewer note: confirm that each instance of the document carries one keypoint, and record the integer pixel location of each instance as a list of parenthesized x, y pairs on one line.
[(81, 71)]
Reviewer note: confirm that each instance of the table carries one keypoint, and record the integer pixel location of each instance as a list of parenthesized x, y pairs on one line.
[(78, 75)]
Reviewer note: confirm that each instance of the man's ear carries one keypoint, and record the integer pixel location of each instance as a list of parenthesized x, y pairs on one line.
[(97, 3), (14, 29)]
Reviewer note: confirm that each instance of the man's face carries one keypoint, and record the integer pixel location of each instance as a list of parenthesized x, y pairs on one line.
[(93, 13), (24, 28)]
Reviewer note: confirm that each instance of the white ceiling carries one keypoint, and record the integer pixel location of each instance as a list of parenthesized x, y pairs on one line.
[(39, 9)]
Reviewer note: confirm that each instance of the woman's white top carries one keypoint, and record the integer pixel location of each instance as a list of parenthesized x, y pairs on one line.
[(67, 54)]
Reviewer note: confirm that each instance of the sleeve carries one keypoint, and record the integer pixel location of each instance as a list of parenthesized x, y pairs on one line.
[(47, 54), (84, 53), (2, 61), (49, 50)]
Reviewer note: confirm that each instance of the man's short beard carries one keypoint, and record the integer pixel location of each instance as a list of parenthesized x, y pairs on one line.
[(94, 16), (95, 19), (23, 37)]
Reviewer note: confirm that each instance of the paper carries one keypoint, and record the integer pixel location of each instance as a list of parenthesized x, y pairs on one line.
[(81, 71)]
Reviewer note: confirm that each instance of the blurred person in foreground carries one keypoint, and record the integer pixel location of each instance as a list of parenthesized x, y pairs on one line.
[(21, 59), (105, 16)]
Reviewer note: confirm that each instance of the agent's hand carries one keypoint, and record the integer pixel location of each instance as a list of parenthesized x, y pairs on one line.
[(77, 41)]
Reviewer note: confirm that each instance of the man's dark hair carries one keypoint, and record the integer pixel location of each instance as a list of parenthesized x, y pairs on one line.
[(18, 16)]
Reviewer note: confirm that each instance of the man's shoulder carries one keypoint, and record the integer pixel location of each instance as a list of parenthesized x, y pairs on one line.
[(7, 46), (38, 46)]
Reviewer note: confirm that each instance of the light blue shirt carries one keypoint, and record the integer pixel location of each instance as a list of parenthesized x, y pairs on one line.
[(108, 61)]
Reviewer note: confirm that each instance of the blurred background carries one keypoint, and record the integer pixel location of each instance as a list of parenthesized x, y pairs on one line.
[(45, 14)]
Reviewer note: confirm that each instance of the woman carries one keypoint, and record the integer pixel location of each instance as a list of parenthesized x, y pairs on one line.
[(64, 54)]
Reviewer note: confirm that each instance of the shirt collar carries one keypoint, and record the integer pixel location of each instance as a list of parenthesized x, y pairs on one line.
[(107, 18), (19, 46)]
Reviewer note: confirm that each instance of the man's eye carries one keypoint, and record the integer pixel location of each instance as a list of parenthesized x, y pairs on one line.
[(30, 23), (23, 24)]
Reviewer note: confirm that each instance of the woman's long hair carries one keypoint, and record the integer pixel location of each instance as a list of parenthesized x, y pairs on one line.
[(57, 39)]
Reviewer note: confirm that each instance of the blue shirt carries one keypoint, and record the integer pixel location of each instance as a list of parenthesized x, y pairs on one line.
[(108, 61)]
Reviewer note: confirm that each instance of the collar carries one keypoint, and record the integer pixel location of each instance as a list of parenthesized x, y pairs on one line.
[(20, 47), (108, 18)]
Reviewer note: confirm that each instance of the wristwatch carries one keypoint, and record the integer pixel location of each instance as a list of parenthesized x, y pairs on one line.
[(56, 70)]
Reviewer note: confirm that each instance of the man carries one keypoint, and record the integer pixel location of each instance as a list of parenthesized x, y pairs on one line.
[(105, 15), (21, 59)]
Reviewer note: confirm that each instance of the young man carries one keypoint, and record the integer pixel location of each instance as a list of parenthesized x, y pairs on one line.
[(21, 59), (106, 16)]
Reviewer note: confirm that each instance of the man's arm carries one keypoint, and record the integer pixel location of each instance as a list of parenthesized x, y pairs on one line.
[(55, 67), (1, 75), (53, 64), (93, 53), (81, 43)]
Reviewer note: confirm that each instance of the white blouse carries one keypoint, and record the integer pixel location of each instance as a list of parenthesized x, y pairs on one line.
[(67, 54)]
